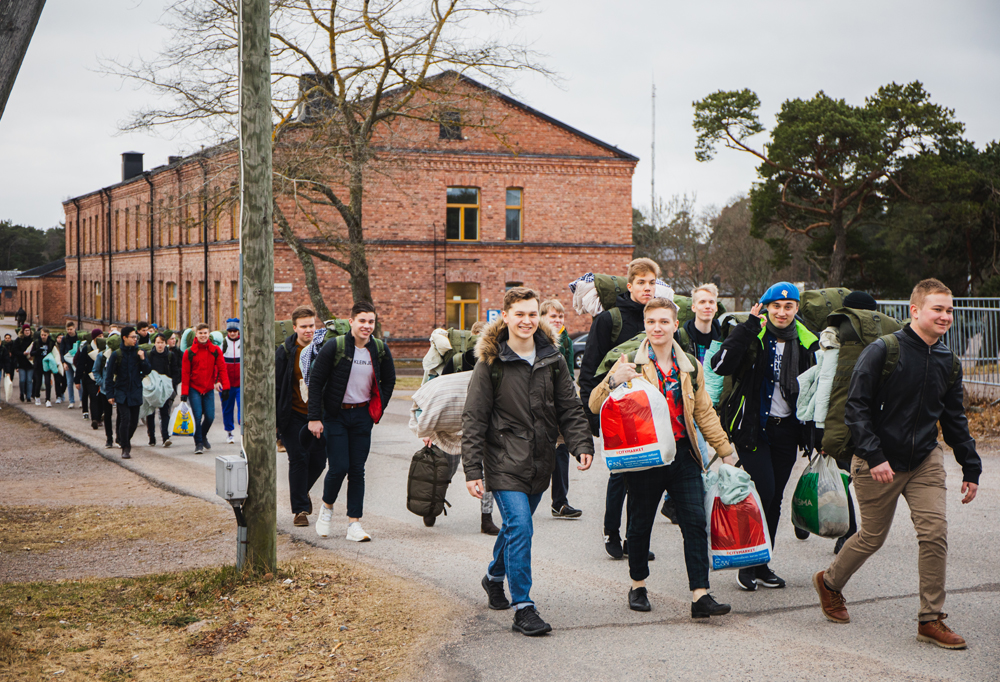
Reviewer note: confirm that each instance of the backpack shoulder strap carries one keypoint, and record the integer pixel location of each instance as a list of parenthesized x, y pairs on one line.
[(891, 356), (616, 325), (956, 366), (340, 343), (693, 373), (684, 339), (380, 348)]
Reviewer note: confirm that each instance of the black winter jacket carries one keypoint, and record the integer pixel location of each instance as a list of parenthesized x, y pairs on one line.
[(67, 343), (744, 356), (20, 360), (509, 433), (165, 363), (327, 384), (123, 376), (41, 349), (896, 422), (82, 364), (600, 343), (284, 379), (687, 334)]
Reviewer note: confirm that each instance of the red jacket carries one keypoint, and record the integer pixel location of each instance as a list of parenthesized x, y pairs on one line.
[(202, 368)]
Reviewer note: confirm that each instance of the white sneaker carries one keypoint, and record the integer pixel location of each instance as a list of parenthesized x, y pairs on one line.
[(71, 406), (355, 533), (324, 521), (229, 437), (48, 403), (38, 401), (58, 401)]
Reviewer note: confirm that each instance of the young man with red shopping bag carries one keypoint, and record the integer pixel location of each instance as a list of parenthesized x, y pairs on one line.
[(662, 362), (893, 410), (520, 397)]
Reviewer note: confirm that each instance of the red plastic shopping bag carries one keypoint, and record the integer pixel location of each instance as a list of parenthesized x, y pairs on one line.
[(635, 428), (737, 532)]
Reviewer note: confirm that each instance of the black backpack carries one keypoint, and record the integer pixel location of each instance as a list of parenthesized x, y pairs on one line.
[(427, 482)]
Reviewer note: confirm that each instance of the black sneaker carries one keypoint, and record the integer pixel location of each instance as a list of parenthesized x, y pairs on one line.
[(746, 579), (528, 622), (566, 512), (840, 543), (669, 510), (707, 606), (152, 441), (767, 578), (494, 590), (198, 449), (207, 445), (613, 546), (649, 557), (86, 415), (638, 601), (109, 445), (801, 534)]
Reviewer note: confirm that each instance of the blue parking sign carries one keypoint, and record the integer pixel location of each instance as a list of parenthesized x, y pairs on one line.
[(492, 314)]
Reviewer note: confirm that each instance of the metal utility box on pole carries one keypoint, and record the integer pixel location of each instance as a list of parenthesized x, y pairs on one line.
[(257, 290)]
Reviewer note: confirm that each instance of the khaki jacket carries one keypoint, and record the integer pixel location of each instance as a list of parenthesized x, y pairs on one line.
[(697, 405)]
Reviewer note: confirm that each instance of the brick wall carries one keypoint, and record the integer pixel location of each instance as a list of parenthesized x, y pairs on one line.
[(43, 298)]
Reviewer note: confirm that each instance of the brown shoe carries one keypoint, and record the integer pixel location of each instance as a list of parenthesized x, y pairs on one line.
[(831, 602), (936, 632), (487, 526), (281, 446), (301, 519)]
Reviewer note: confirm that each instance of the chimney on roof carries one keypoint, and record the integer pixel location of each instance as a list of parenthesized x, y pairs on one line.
[(131, 165), (171, 160)]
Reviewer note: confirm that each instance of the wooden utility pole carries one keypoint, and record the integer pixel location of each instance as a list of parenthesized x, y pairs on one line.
[(257, 252), (18, 19)]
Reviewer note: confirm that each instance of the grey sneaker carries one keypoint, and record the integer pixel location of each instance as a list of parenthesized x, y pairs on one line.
[(198, 449)]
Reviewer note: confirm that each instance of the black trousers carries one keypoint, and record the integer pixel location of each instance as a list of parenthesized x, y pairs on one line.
[(60, 380), (560, 477), (771, 464), (682, 479), (100, 411), (305, 465), (164, 422), (128, 420), (613, 504), (40, 377), (88, 389)]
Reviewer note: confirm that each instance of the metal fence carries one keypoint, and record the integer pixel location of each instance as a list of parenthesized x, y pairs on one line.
[(974, 336)]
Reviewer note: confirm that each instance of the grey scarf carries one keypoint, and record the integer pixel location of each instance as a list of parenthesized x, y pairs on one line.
[(788, 379)]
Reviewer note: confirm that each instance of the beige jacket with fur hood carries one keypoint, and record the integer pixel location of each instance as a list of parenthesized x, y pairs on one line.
[(509, 432), (697, 405)]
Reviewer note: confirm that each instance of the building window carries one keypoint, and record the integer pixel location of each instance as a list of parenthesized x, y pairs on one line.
[(450, 125), (149, 301), (202, 313), (173, 320), (138, 211), (235, 311), (462, 304), (187, 304), (218, 305), (97, 300), (463, 214), (511, 285), (128, 299), (514, 209)]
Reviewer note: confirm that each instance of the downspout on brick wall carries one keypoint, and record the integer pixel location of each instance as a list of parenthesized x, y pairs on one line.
[(79, 270), (111, 282), (152, 260)]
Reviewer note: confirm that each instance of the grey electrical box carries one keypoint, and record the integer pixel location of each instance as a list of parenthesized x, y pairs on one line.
[(231, 477)]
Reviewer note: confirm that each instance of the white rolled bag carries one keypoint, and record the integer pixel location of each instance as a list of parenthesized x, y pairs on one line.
[(635, 428)]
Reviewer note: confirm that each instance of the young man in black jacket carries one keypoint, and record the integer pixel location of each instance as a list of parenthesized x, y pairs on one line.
[(126, 368), (903, 385), (350, 385), (305, 463), (642, 274), (42, 346), (22, 363), (65, 347), (162, 361), (765, 356), (83, 365)]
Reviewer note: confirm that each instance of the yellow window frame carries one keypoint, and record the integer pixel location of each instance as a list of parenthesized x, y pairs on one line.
[(461, 214)]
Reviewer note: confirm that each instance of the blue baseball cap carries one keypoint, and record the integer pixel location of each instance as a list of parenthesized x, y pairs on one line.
[(782, 291)]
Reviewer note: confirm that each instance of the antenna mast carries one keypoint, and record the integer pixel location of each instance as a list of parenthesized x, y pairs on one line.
[(652, 167)]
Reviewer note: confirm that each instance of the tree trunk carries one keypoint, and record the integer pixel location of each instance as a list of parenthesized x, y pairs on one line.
[(257, 249), (307, 263), (18, 19), (361, 289), (838, 259)]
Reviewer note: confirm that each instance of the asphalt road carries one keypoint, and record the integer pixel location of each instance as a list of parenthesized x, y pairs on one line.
[(771, 634)]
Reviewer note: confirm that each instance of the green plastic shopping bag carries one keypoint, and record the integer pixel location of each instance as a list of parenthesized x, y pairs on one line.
[(819, 504)]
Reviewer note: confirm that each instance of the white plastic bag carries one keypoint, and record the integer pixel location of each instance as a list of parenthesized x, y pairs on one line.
[(182, 420), (737, 532), (8, 387), (635, 428), (819, 504)]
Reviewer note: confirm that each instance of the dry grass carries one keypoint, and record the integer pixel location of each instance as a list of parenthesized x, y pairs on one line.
[(984, 420), (40, 529), (408, 383), (317, 619)]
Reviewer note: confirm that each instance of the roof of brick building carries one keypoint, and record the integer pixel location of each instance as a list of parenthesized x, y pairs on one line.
[(43, 270)]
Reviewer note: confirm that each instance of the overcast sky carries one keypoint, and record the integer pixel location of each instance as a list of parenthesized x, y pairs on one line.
[(58, 135)]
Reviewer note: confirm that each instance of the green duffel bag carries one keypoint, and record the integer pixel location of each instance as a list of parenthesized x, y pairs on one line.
[(427, 482)]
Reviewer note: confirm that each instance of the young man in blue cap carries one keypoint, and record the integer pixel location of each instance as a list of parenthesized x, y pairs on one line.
[(764, 357)]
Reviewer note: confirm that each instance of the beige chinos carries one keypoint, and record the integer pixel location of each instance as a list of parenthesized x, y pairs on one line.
[(925, 493)]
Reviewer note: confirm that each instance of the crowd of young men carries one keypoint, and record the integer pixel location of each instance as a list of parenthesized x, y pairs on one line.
[(522, 400)]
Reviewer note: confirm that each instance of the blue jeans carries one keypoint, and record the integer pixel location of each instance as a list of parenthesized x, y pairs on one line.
[(348, 441), (202, 404), (227, 410), (512, 551), (69, 383), (25, 378)]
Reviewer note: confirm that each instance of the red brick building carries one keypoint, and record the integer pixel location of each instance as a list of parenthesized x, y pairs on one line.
[(41, 292), (450, 226)]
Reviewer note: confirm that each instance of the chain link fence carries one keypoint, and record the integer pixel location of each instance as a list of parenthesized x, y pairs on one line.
[(974, 336)]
